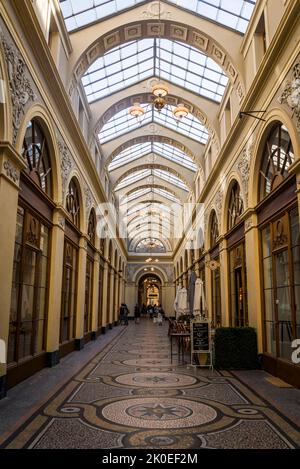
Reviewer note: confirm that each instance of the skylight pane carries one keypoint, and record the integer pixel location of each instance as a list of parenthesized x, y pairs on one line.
[(234, 14), (123, 122), (171, 178), (168, 195), (79, 13), (133, 62), (132, 178)]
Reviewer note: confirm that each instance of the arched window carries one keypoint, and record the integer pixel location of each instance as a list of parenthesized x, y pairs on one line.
[(277, 157), (72, 203), (35, 151), (92, 227), (214, 230), (236, 206), (29, 297)]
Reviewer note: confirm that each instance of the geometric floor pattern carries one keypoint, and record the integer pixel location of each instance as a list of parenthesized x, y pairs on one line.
[(131, 396)]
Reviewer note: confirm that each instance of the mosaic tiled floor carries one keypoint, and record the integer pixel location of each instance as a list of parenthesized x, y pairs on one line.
[(131, 396)]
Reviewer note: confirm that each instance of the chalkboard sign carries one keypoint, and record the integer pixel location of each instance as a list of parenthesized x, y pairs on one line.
[(200, 336)]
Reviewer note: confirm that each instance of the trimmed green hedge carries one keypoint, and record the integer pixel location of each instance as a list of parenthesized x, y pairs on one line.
[(236, 348)]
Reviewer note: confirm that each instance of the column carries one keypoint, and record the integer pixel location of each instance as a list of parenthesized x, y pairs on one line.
[(55, 286), (10, 166), (208, 286), (95, 296), (112, 297), (224, 281), (116, 299), (80, 299), (254, 294), (105, 315)]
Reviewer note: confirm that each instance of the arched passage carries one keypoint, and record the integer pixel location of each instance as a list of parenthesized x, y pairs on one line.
[(149, 290)]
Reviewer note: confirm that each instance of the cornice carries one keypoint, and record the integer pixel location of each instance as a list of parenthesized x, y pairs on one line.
[(7, 149)]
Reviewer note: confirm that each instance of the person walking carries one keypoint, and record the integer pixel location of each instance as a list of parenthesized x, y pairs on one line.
[(124, 314), (137, 314)]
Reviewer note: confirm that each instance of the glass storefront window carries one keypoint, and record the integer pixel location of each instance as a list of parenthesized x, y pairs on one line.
[(281, 285), (29, 289)]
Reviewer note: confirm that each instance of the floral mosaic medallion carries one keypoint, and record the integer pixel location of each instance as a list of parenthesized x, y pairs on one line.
[(156, 379), (149, 413)]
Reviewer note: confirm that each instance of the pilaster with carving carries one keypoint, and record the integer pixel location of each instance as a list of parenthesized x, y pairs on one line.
[(291, 93)]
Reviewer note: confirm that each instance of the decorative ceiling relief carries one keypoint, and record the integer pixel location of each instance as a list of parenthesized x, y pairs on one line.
[(21, 86), (243, 166), (291, 93), (154, 10)]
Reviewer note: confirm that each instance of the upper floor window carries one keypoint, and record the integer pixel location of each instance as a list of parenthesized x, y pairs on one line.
[(35, 151), (236, 206), (72, 203), (277, 157)]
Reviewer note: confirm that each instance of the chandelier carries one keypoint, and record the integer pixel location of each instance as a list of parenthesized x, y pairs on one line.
[(160, 91)]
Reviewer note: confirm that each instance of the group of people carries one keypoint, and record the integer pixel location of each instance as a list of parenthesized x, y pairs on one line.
[(155, 312)]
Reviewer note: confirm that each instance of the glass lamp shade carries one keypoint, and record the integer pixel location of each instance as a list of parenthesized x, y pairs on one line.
[(159, 103), (136, 110), (180, 111), (160, 90)]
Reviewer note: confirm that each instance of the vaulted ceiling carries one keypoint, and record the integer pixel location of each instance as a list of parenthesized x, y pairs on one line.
[(152, 161)]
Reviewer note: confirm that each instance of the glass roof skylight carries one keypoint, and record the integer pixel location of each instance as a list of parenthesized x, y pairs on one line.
[(171, 178), (78, 13), (123, 122), (136, 194), (164, 150), (132, 178), (232, 13), (174, 61), (159, 173), (168, 195)]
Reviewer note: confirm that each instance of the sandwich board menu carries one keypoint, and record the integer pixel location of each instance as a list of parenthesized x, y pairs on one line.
[(200, 341)]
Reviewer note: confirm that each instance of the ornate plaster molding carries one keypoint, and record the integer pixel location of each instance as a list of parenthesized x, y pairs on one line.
[(243, 167), (218, 205), (152, 12), (21, 88), (291, 93), (11, 171), (66, 161)]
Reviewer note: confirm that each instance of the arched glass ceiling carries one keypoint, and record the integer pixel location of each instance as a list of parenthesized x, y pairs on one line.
[(132, 62), (132, 178), (164, 150), (234, 14), (148, 206), (136, 194), (123, 122), (150, 173), (150, 245), (153, 190)]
